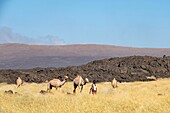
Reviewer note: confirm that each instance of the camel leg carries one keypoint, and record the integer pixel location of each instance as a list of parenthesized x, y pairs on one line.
[(75, 86), (90, 91), (56, 88), (60, 90), (49, 87), (81, 89), (18, 85)]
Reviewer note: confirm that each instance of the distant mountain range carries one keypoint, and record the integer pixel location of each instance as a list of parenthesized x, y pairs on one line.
[(21, 56)]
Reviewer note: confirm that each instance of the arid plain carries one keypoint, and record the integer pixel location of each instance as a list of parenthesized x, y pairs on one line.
[(131, 97)]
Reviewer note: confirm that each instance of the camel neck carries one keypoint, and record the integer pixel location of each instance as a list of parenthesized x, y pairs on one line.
[(62, 82), (85, 83)]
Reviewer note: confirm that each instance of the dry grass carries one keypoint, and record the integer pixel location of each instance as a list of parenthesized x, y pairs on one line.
[(137, 97)]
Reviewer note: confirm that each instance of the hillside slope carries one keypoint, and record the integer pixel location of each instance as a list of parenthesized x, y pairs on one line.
[(124, 69), (20, 56)]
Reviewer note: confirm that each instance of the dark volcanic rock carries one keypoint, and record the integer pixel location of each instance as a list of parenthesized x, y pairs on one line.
[(9, 92), (124, 69)]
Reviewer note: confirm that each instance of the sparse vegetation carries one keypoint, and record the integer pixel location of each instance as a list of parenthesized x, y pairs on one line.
[(132, 97)]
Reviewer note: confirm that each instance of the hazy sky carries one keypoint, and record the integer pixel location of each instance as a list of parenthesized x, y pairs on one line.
[(135, 23)]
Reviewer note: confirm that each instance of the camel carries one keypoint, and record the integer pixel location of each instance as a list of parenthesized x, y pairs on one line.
[(114, 83), (19, 82), (78, 81), (56, 83), (151, 78)]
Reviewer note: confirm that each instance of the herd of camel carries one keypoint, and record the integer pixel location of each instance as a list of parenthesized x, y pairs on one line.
[(57, 83)]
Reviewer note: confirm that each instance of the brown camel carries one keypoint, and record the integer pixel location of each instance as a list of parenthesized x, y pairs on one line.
[(78, 81), (114, 83), (56, 83), (19, 82)]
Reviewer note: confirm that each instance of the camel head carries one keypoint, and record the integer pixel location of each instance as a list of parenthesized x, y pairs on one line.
[(86, 81), (65, 77)]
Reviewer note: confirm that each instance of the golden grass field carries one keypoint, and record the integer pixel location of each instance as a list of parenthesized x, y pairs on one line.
[(133, 97)]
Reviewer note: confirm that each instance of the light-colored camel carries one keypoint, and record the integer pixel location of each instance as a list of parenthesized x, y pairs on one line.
[(114, 83), (151, 78), (19, 82), (78, 81), (56, 83)]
